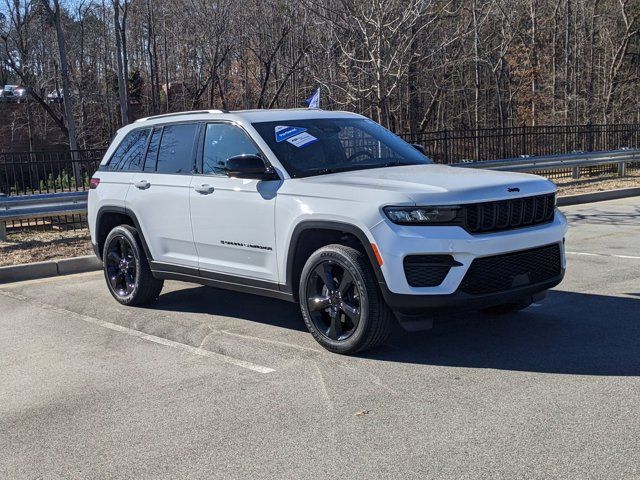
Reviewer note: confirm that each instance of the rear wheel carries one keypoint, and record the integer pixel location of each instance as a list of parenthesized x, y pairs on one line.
[(126, 268), (340, 301)]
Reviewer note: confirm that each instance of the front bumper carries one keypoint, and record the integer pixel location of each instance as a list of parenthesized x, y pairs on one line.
[(460, 301), (395, 242)]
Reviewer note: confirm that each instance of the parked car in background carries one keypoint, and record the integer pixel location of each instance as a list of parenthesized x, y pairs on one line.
[(13, 94), (7, 96), (21, 93), (56, 96)]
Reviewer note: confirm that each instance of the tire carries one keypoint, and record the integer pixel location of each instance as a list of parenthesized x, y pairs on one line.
[(341, 302), (506, 308), (126, 268)]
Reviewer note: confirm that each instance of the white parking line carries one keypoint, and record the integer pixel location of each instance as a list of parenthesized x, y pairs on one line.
[(632, 257), (151, 338)]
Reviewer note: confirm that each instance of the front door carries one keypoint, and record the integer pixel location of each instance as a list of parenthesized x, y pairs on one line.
[(233, 219)]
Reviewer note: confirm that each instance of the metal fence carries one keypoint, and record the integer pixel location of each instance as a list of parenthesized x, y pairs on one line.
[(453, 146), (49, 223), (28, 173)]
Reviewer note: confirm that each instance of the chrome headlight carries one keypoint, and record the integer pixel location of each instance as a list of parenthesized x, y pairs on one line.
[(435, 215)]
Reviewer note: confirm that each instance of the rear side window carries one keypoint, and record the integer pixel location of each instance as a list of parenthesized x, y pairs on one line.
[(176, 149), (129, 155)]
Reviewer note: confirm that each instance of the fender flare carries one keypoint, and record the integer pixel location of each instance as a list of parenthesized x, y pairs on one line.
[(328, 225), (123, 211)]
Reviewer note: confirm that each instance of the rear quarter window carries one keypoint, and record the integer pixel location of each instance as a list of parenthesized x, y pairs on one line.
[(130, 154)]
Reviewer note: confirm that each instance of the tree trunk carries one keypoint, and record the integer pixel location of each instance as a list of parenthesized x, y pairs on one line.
[(54, 13), (122, 75)]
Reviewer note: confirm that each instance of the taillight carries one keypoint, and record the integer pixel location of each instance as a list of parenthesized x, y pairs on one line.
[(93, 184)]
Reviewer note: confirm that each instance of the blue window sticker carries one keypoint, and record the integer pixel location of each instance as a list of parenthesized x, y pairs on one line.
[(283, 132), (302, 140)]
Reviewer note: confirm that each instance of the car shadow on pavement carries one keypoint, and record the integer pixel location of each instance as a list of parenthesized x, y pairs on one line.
[(226, 303), (571, 333)]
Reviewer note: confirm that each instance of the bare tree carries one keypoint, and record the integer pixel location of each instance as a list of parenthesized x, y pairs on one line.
[(119, 29), (414, 65), (55, 14)]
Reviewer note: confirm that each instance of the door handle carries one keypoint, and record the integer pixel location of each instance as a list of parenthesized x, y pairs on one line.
[(142, 184), (204, 189)]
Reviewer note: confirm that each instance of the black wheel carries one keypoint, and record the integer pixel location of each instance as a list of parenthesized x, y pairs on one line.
[(126, 268), (340, 301), (506, 308)]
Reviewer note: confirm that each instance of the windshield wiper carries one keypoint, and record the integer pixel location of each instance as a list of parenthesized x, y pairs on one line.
[(358, 166)]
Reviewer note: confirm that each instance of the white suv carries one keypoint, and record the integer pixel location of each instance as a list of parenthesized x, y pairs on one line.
[(327, 209)]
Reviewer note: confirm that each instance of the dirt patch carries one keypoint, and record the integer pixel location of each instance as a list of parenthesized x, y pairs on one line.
[(29, 247), (569, 186)]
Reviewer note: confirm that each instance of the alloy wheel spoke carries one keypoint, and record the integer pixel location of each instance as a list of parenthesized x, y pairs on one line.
[(345, 283), (324, 272), (350, 311), (130, 281), (114, 256), (123, 248), (319, 302), (335, 328), (115, 279)]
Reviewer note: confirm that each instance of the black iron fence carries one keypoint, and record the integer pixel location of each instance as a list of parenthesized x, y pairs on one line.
[(48, 223), (27, 173), (452, 146)]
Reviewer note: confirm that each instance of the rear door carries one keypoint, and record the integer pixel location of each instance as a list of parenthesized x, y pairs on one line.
[(233, 219), (159, 194)]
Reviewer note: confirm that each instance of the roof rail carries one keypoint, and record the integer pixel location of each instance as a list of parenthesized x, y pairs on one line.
[(179, 114)]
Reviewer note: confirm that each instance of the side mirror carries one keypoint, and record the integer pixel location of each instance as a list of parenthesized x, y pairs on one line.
[(249, 166), (419, 147)]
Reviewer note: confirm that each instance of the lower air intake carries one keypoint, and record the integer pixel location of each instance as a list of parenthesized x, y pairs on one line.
[(512, 270)]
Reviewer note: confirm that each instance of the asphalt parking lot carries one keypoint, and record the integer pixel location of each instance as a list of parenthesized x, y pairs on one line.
[(213, 384)]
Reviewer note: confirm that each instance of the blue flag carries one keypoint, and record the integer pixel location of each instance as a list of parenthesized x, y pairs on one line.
[(314, 100)]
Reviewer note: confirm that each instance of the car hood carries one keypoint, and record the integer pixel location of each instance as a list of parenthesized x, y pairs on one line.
[(437, 184)]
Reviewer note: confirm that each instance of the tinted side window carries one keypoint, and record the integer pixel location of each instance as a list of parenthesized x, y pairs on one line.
[(130, 153), (176, 149), (223, 141), (152, 151)]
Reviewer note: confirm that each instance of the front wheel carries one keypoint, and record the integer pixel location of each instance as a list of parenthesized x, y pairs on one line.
[(341, 303), (126, 268)]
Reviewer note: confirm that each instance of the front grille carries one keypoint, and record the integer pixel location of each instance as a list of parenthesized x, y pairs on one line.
[(508, 214), (512, 270), (427, 270)]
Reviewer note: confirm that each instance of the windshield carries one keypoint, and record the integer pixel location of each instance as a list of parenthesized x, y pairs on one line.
[(319, 146)]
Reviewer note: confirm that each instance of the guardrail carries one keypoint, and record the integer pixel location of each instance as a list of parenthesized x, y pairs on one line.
[(73, 203), (39, 206), (574, 161)]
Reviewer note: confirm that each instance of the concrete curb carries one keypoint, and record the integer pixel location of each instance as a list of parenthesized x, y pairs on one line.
[(53, 268), (90, 263), (598, 196)]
